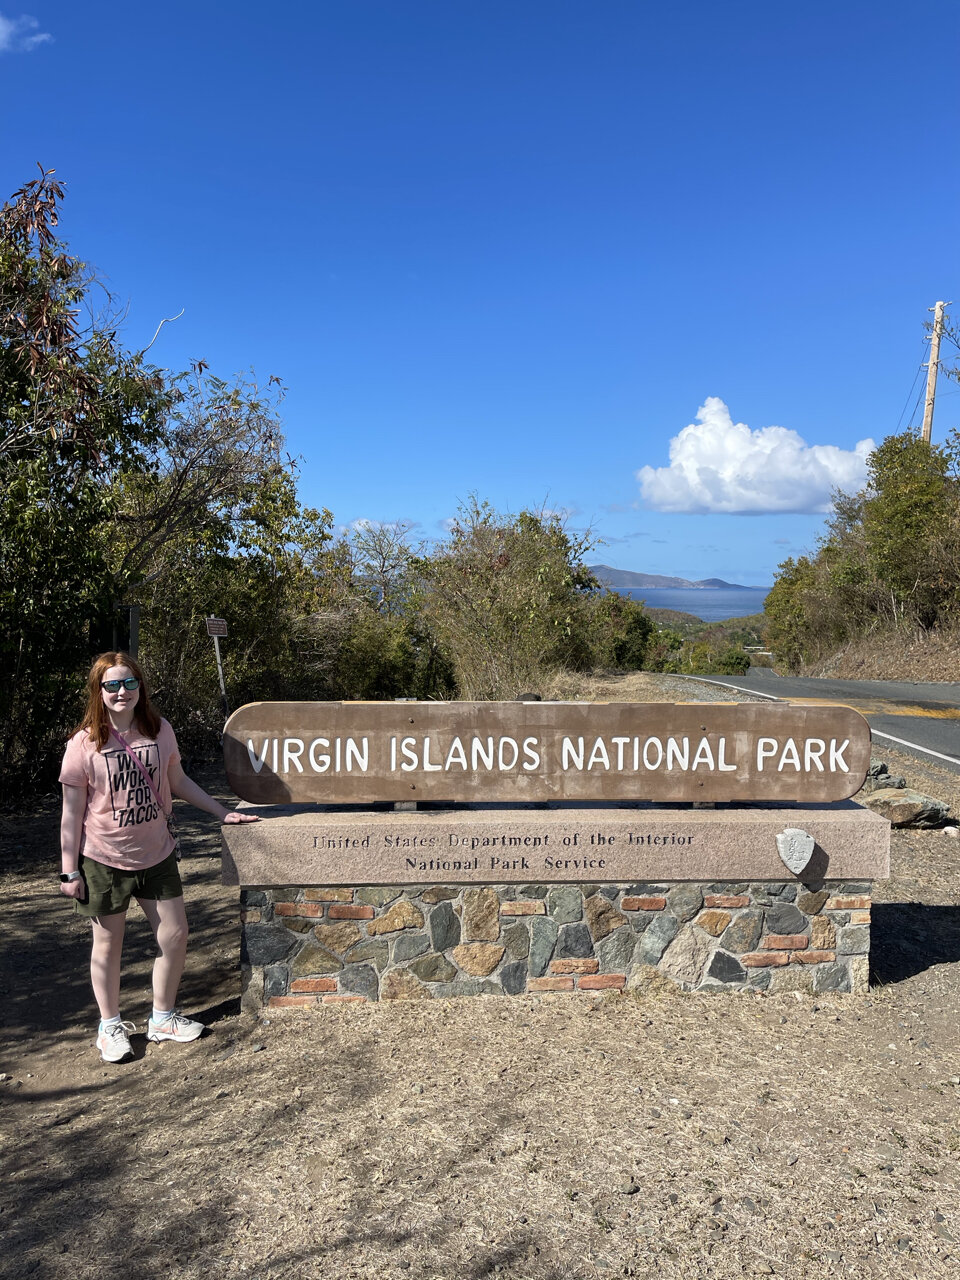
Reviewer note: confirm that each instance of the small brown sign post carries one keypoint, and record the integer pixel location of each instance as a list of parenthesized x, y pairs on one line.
[(363, 752), (217, 627)]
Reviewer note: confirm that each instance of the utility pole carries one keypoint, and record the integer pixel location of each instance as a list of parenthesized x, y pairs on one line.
[(932, 367)]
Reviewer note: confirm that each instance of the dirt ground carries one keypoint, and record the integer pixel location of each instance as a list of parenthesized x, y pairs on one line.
[(565, 1137)]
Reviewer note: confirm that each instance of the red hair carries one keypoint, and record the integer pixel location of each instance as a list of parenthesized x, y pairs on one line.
[(95, 719)]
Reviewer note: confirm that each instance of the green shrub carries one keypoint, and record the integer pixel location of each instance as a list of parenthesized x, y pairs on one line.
[(621, 632), (700, 659), (507, 601), (890, 558)]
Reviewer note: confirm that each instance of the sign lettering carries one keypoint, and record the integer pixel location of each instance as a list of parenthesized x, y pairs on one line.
[(360, 753)]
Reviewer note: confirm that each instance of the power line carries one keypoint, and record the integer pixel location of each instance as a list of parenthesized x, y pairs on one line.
[(916, 406), (910, 393)]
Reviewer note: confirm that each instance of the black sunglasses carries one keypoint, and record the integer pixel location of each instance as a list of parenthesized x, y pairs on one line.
[(113, 686)]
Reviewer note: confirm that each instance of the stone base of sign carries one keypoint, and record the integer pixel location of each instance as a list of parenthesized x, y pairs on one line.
[(343, 905), (309, 946)]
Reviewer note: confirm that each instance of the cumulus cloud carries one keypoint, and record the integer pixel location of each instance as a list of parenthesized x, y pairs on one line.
[(20, 35), (718, 465)]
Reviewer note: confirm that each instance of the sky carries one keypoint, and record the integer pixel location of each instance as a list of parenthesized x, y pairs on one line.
[(662, 268)]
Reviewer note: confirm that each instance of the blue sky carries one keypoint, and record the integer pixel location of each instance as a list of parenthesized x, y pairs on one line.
[(516, 249)]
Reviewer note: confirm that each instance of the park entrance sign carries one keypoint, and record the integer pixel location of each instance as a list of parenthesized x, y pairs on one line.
[(364, 752), (421, 850)]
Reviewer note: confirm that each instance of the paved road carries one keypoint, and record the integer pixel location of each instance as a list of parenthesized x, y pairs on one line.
[(924, 718)]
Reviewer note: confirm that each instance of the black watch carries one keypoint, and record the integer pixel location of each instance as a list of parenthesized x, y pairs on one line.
[(67, 876)]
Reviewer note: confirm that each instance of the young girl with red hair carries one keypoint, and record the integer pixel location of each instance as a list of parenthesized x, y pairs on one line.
[(120, 773)]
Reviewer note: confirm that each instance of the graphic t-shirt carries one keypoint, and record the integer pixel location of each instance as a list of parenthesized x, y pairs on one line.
[(123, 826)]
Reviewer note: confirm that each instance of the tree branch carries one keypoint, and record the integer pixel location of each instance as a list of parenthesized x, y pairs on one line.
[(165, 320)]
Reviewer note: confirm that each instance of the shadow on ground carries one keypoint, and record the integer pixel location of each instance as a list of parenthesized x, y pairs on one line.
[(909, 937)]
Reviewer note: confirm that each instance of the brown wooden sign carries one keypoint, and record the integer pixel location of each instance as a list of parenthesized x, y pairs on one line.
[(362, 752)]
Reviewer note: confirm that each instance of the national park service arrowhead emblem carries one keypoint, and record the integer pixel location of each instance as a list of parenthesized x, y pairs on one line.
[(795, 848)]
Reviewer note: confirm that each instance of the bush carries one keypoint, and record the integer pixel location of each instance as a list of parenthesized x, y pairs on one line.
[(507, 601), (621, 632), (890, 558), (700, 659)]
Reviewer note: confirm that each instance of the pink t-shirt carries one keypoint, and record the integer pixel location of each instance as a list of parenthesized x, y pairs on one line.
[(122, 825)]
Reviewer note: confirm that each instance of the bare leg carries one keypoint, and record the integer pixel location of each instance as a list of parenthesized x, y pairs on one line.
[(105, 962), (168, 920)]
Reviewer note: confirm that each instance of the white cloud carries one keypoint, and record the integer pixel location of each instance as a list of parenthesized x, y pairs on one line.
[(20, 35), (563, 514), (626, 537), (398, 527), (718, 465)]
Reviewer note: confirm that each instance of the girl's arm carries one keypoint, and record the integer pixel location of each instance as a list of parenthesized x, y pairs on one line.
[(185, 788), (71, 829)]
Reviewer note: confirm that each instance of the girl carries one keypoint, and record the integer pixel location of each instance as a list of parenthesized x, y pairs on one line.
[(120, 772)]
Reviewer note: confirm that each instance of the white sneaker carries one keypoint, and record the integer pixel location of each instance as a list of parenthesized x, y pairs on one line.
[(114, 1041), (176, 1027)]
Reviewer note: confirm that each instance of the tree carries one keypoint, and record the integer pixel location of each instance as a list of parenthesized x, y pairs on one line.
[(911, 502), (217, 446), (382, 558), (621, 631), (507, 599), (122, 485), (890, 557), (72, 404), (254, 564)]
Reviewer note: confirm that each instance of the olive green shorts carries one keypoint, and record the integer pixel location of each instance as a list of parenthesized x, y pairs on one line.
[(109, 890)]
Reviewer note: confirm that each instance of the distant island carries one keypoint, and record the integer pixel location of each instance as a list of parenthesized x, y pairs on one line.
[(624, 580)]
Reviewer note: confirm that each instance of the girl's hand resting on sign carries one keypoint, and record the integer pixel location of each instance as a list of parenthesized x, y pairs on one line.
[(236, 815)]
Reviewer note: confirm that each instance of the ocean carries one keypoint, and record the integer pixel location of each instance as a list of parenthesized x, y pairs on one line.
[(712, 604)]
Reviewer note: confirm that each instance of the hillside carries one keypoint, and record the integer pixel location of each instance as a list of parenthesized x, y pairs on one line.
[(625, 580), (892, 654), (748, 630)]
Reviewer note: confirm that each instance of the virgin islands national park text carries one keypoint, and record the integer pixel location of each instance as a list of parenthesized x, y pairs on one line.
[(361, 753)]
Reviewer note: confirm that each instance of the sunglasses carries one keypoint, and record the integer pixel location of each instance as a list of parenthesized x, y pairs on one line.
[(114, 686)]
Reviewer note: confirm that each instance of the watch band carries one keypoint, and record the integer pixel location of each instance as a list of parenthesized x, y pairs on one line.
[(66, 876)]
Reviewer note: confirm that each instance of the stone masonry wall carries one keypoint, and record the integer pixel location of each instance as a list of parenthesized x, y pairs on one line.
[(302, 946)]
